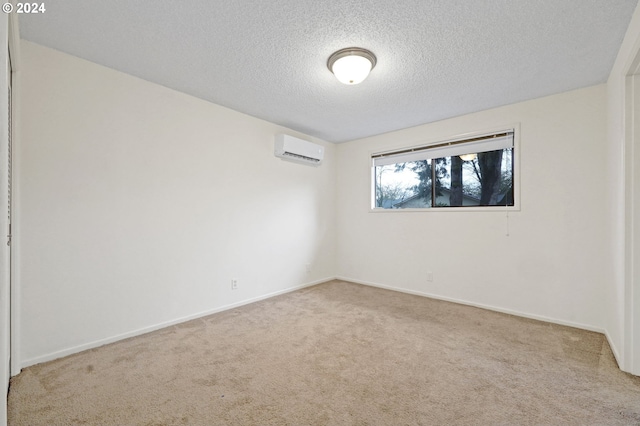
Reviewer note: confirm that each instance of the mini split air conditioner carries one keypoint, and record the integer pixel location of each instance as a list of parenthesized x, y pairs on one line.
[(297, 150)]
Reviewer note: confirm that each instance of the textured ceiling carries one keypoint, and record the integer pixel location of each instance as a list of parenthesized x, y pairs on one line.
[(436, 58)]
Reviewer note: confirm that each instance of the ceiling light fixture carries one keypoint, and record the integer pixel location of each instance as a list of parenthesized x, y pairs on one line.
[(351, 65)]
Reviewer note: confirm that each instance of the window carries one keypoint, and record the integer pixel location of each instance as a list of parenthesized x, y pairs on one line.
[(470, 172)]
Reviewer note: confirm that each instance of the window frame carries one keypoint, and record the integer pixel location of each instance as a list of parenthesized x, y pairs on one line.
[(515, 128)]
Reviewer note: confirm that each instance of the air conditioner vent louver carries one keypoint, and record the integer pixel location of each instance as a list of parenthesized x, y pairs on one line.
[(300, 151), (301, 157)]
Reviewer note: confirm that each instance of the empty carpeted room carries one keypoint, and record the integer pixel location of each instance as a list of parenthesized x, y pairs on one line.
[(208, 223)]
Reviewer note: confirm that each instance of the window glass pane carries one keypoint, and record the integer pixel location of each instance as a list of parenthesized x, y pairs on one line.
[(403, 185), (476, 179)]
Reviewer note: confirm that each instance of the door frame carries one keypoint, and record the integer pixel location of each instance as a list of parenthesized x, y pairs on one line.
[(631, 164), (14, 56)]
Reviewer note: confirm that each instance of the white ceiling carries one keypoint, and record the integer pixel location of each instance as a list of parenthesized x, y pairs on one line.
[(436, 58)]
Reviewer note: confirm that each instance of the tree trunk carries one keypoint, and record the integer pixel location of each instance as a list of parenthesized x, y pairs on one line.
[(491, 170), (455, 196)]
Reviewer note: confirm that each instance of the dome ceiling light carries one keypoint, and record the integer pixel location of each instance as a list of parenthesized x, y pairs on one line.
[(351, 65)]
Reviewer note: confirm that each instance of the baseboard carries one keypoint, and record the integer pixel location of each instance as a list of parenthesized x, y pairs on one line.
[(614, 349), (141, 331), (477, 305), (145, 330)]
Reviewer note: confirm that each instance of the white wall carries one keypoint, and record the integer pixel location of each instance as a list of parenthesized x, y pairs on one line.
[(140, 204), (619, 288), (551, 266)]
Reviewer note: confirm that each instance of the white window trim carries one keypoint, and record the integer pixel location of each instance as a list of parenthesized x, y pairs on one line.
[(436, 141)]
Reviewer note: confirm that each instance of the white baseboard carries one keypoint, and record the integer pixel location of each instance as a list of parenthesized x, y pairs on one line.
[(141, 331), (614, 349), (144, 330), (478, 305)]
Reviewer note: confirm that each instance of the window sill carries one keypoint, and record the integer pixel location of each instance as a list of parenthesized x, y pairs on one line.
[(451, 209)]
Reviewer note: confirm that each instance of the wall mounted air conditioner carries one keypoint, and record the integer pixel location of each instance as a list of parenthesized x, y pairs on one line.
[(297, 150)]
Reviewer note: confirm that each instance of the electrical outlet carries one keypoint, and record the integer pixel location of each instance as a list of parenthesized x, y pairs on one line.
[(308, 266), (234, 284), (430, 276)]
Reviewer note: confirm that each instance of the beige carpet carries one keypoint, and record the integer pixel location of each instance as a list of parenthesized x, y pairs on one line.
[(337, 354)]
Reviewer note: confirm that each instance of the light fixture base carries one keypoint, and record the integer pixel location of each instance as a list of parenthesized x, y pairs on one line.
[(358, 51)]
